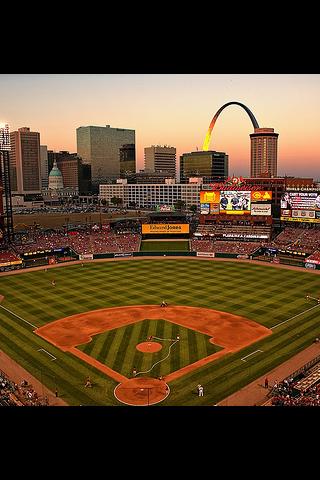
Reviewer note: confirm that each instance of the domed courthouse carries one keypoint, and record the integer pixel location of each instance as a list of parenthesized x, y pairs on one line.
[(55, 178)]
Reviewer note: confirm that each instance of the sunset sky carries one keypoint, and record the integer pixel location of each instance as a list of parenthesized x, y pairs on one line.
[(173, 109)]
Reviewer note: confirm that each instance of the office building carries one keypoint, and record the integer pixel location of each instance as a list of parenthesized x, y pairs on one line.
[(151, 195), (159, 158), (264, 146), (25, 162), (154, 177), (212, 166), (44, 166), (100, 148), (128, 161)]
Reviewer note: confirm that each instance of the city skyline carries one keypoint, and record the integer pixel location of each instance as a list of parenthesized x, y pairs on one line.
[(173, 109)]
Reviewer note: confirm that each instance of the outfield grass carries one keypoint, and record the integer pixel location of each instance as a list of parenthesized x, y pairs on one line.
[(117, 348), (163, 246), (264, 294)]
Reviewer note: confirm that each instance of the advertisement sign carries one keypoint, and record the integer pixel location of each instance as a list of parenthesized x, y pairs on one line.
[(260, 209), (8, 263), (165, 208), (209, 197), (286, 213), (205, 254), (310, 260), (300, 200), (214, 208), (204, 208), (261, 196), (310, 265), (246, 235), (303, 213), (235, 202), (123, 255), (86, 256), (290, 219), (16, 262), (171, 228)]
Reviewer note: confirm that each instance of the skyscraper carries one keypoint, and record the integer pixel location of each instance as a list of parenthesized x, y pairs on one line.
[(4, 150), (44, 166), (210, 165), (6, 228), (25, 161), (159, 158), (128, 161), (100, 147), (264, 143)]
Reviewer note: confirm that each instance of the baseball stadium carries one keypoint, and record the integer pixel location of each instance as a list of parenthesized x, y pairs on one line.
[(166, 308)]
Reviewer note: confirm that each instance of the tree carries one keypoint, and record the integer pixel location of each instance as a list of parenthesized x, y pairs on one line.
[(103, 202), (179, 204), (116, 201), (193, 208)]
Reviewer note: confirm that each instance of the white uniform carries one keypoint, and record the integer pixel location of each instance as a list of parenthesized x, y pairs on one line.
[(200, 391)]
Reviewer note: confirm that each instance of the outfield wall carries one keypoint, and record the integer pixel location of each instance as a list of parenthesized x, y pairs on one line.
[(199, 255)]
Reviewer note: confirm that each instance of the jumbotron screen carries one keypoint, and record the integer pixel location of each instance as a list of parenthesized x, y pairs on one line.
[(236, 202), (300, 206), (171, 228)]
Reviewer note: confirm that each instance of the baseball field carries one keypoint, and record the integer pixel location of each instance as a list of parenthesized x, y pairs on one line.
[(226, 324)]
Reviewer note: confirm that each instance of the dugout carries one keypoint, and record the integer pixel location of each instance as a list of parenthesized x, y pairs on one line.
[(47, 256)]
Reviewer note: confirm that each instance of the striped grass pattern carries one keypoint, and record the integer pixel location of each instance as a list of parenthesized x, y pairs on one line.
[(117, 348), (264, 294)]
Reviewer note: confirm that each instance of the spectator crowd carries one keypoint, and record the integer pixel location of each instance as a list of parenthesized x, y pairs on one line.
[(289, 392), (12, 394), (83, 242)]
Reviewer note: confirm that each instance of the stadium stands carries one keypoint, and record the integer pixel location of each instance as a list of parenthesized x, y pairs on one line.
[(85, 243), (234, 231), (298, 239), (224, 247), (12, 394), (301, 389), (8, 256), (202, 246), (315, 256)]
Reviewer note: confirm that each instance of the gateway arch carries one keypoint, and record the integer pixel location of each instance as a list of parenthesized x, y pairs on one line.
[(206, 142)]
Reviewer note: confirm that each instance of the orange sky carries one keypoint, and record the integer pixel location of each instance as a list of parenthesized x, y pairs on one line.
[(173, 109)]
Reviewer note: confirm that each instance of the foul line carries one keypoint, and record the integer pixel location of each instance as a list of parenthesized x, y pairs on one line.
[(250, 354), (301, 313), (163, 339), (147, 371), (43, 350), (26, 321)]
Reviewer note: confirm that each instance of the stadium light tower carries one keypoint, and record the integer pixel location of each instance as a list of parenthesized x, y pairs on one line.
[(5, 183)]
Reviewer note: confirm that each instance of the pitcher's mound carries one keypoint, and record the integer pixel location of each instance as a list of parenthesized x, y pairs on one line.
[(141, 391), (149, 347)]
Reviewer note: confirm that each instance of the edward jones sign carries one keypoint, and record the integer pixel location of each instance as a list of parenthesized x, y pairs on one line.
[(165, 228)]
